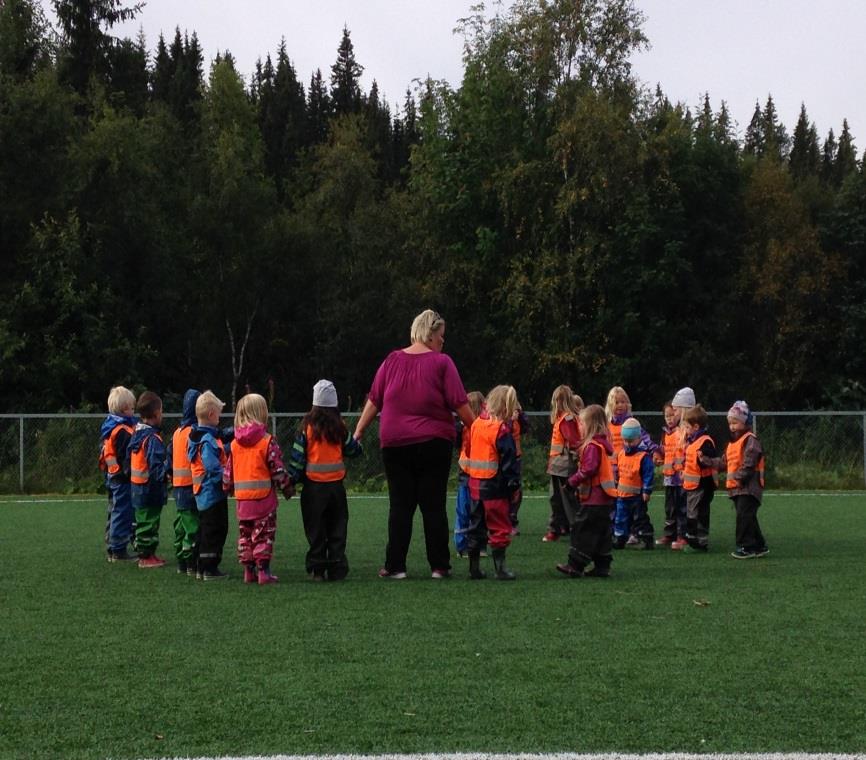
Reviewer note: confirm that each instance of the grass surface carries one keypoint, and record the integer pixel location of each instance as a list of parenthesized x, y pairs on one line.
[(104, 660)]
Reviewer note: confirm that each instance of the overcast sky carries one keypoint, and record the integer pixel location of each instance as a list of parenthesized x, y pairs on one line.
[(738, 50)]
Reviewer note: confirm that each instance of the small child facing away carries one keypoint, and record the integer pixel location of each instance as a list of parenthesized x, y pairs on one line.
[(115, 434), (698, 478), (148, 473), (253, 471), (464, 503), (743, 462), (590, 530), (671, 456), (317, 461), (634, 485), (207, 459), (564, 439), (494, 476), (186, 521)]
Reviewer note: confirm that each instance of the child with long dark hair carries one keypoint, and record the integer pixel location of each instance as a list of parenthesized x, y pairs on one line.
[(317, 461)]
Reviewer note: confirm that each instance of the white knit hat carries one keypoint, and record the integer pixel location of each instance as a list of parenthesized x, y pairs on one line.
[(325, 394), (684, 397)]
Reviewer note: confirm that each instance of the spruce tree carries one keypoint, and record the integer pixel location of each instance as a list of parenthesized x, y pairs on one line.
[(319, 109), (828, 159), (22, 38), (755, 141), (346, 78), (163, 72), (775, 134), (805, 158), (846, 155)]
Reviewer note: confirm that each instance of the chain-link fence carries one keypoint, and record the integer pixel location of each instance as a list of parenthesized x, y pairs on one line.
[(57, 453)]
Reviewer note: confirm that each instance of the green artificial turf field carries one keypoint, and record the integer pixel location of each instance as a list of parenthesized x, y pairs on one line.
[(673, 653)]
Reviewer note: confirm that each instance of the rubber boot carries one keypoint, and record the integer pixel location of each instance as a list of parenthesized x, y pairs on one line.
[(502, 572), (250, 575), (475, 571)]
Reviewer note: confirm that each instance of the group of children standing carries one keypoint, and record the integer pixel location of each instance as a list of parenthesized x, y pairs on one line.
[(205, 464)]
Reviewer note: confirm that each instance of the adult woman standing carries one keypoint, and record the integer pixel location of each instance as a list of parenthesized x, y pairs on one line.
[(416, 389)]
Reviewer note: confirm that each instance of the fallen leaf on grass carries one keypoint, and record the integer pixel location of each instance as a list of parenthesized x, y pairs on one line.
[(411, 715), (309, 730), (700, 603), (158, 736)]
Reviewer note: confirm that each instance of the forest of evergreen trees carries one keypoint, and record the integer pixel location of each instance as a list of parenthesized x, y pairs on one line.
[(165, 223)]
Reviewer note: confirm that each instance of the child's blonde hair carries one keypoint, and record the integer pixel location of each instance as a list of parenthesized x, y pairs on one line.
[(251, 408), (205, 404), (476, 401), (562, 402), (594, 422), (502, 402), (578, 403), (120, 398), (617, 390)]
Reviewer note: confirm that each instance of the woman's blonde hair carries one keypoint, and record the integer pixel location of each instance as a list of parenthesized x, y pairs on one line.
[(594, 421), (120, 398), (501, 402), (617, 390), (563, 402), (476, 401), (251, 408), (425, 326)]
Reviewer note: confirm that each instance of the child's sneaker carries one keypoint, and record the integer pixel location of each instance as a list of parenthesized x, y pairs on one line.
[(214, 575), (148, 563), (250, 575), (550, 536), (664, 541), (438, 573), (632, 541), (122, 556), (679, 545), (762, 552), (742, 553), (566, 568)]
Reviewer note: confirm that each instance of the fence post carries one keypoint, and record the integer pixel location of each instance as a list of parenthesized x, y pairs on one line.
[(21, 454)]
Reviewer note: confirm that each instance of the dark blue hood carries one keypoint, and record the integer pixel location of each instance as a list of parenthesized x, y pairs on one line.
[(189, 399)]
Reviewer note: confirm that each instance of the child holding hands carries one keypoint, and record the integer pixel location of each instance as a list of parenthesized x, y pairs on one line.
[(253, 471)]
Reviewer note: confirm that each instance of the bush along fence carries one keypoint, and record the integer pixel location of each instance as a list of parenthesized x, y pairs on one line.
[(57, 453)]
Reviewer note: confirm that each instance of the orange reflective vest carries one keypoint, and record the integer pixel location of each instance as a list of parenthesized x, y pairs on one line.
[(181, 472), (483, 456), (465, 440), (674, 455), (250, 472), (694, 471), (108, 461), (139, 470), (324, 460), (615, 432), (558, 447), (198, 469), (603, 476), (628, 471), (734, 459)]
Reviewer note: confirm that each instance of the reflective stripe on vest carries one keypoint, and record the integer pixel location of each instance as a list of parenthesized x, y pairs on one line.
[(109, 450), (557, 440), (615, 432), (252, 477), (181, 472), (628, 470), (465, 439), (324, 460), (603, 478), (693, 471), (198, 471), (734, 459), (483, 456)]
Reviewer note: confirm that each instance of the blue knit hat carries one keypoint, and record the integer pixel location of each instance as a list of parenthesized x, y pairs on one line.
[(630, 429)]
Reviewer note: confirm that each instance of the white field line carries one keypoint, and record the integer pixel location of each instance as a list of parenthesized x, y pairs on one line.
[(551, 756), (532, 497)]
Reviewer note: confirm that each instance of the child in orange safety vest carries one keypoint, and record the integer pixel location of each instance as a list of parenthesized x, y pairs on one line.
[(464, 503), (494, 476), (699, 479), (253, 470), (634, 484), (743, 462), (317, 461), (565, 406), (148, 474)]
